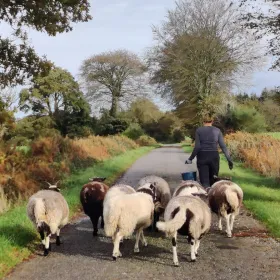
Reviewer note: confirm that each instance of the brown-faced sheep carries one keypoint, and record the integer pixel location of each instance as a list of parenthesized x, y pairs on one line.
[(91, 196), (225, 199)]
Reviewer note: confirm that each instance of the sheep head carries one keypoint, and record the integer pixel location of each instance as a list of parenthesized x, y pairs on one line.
[(53, 187)]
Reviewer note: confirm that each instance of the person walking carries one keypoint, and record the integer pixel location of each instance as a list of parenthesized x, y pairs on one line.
[(207, 139)]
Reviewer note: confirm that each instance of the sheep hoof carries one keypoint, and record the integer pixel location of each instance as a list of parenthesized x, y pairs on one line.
[(145, 244), (58, 242), (196, 254), (95, 233), (46, 252), (114, 258), (220, 228), (136, 250), (194, 260), (176, 264), (229, 235)]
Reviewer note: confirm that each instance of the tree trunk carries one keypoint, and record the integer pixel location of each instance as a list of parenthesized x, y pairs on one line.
[(114, 106)]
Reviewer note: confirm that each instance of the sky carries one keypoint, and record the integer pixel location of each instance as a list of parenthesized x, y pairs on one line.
[(117, 24)]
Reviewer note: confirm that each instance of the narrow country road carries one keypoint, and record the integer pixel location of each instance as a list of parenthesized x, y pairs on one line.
[(81, 256)]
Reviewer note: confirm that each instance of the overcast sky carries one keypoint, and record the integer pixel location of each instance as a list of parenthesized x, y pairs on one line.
[(116, 24)]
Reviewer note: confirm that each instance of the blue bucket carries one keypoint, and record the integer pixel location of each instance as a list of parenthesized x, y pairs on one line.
[(189, 176)]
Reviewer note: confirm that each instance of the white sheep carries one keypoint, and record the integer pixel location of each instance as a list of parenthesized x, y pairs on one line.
[(49, 212), (189, 188), (225, 199), (118, 189), (163, 194), (189, 216), (125, 213)]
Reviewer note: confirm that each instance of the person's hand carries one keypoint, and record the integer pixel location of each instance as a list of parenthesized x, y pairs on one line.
[(188, 161), (230, 165)]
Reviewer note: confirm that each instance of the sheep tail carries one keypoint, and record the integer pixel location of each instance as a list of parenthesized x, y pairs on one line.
[(40, 216), (233, 199), (178, 218)]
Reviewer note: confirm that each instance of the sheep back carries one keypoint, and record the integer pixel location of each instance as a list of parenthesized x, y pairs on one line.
[(162, 188), (188, 188), (127, 212), (225, 196), (49, 207)]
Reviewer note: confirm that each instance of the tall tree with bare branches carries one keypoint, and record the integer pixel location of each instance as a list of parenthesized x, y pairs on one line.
[(201, 53), (113, 77)]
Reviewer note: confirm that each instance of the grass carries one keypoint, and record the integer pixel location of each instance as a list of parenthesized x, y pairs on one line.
[(261, 194), (17, 234), (274, 134)]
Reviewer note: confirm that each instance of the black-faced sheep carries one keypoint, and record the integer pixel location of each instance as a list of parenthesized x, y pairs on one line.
[(163, 195), (49, 212), (189, 216), (225, 199), (91, 196), (125, 213)]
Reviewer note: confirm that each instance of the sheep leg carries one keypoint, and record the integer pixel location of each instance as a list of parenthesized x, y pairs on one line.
[(228, 231), (42, 235), (136, 247), (232, 216), (144, 242), (47, 245), (102, 222), (156, 219), (193, 257), (220, 226), (116, 251), (94, 221), (58, 242), (197, 243), (174, 248)]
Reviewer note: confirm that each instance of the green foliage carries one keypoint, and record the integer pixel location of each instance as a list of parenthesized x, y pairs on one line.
[(162, 130), (109, 125), (134, 131), (58, 96), (143, 111), (247, 119), (145, 140), (19, 62)]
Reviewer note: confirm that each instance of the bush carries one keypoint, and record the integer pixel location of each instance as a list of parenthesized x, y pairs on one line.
[(146, 140), (260, 152), (109, 125), (134, 131)]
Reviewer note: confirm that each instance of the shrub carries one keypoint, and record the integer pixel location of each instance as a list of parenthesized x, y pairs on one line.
[(260, 152), (146, 140), (134, 131)]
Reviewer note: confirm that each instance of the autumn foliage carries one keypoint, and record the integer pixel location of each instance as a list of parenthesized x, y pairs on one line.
[(25, 169), (257, 151)]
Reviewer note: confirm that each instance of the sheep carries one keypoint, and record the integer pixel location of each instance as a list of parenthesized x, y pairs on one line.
[(91, 196), (189, 216), (163, 194), (49, 212), (125, 213), (117, 190), (189, 188), (225, 199)]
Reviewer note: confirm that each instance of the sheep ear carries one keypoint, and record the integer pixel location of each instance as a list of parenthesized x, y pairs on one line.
[(48, 183), (57, 182), (152, 187), (215, 177)]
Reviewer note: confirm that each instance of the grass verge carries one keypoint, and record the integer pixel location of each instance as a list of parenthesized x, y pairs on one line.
[(17, 232), (261, 194)]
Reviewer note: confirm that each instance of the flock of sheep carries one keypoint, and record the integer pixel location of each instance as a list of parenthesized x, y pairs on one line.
[(124, 210)]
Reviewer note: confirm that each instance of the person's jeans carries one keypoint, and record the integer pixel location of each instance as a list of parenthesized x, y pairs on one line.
[(208, 165)]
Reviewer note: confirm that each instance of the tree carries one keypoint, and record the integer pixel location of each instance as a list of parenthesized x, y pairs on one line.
[(113, 76), (263, 18), (201, 52), (20, 61), (143, 111), (57, 95)]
